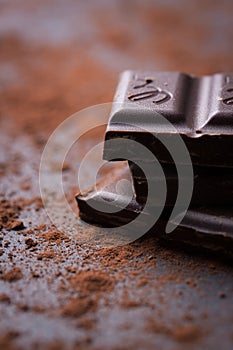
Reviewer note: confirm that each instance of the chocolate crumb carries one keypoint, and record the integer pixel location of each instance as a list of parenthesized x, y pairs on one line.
[(6, 244), (23, 306), (17, 225), (30, 242), (222, 295)]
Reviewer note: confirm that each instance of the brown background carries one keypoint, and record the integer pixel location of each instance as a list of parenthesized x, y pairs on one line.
[(57, 57)]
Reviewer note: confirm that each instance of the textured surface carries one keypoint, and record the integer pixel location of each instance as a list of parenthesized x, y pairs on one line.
[(57, 57)]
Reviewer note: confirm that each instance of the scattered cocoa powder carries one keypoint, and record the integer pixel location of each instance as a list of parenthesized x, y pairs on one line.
[(46, 255), (222, 295), (35, 201), (6, 244), (16, 225), (129, 304), (54, 235), (191, 282), (87, 323), (9, 212), (7, 340), (93, 281), (4, 298), (77, 307), (56, 345), (142, 282), (25, 187), (30, 243), (13, 275), (38, 309), (22, 306), (184, 333), (187, 333)]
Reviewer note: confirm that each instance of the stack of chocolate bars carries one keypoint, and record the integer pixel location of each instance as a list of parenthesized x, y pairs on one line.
[(161, 111)]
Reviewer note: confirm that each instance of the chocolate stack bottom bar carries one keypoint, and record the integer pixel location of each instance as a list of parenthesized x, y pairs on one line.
[(203, 227), (211, 186)]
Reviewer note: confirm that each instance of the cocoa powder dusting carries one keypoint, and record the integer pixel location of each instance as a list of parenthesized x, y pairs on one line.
[(185, 333), (92, 282), (4, 298), (46, 255), (7, 340), (12, 275), (78, 307)]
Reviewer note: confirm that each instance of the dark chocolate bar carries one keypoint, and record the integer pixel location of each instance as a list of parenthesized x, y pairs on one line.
[(203, 227), (211, 186), (200, 109), (158, 111)]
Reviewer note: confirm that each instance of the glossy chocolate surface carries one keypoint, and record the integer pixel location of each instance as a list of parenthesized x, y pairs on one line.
[(200, 109)]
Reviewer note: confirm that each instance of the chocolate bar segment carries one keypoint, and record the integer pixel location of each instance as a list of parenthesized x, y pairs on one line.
[(203, 227), (95, 204), (199, 109), (162, 92), (211, 186)]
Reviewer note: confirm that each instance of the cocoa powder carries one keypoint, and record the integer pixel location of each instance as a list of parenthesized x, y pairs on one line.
[(12, 275)]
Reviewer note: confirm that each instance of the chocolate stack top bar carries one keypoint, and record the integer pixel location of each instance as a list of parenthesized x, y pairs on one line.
[(200, 109)]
